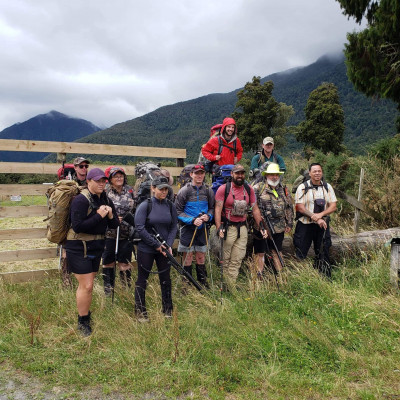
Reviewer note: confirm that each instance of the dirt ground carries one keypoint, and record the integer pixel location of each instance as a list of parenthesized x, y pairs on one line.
[(18, 385)]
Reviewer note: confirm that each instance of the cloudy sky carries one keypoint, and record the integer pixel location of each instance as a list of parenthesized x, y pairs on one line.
[(111, 61)]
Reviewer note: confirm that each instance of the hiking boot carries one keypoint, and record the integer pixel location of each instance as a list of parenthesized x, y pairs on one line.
[(84, 325), (109, 281), (142, 317), (260, 276), (202, 275)]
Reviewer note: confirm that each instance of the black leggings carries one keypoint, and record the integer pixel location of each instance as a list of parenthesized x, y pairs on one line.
[(145, 264)]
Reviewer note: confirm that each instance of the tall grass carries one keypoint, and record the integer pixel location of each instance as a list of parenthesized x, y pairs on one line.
[(313, 338)]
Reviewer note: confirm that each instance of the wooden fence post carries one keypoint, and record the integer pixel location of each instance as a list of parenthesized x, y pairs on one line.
[(61, 157), (357, 212)]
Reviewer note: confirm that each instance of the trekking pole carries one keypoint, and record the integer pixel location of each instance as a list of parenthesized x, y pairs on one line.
[(275, 271), (190, 245), (208, 255), (272, 231), (320, 262), (115, 263), (173, 262), (221, 264)]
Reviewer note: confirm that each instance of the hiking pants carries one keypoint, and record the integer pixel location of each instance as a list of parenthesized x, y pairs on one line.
[(234, 251), (145, 263), (305, 235)]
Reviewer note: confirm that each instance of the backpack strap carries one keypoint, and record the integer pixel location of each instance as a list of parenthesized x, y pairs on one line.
[(221, 145), (150, 207)]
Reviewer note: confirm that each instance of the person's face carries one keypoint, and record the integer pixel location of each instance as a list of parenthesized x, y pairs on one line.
[(160, 194), (118, 179), (230, 130), (273, 177), (198, 177), (316, 173), (268, 147), (81, 170), (238, 178), (97, 187)]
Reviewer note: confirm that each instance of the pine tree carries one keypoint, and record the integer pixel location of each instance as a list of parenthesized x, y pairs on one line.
[(258, 115), (323, 127), (373, 55)]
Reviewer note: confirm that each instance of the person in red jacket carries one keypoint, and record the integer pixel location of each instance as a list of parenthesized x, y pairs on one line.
[(224, 148)]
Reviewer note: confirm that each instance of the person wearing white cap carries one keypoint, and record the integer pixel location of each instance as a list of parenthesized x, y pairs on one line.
[(267, 154)]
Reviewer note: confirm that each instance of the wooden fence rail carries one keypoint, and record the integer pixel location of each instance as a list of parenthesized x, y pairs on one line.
[(90, 148), (61, 148), (51, 168)]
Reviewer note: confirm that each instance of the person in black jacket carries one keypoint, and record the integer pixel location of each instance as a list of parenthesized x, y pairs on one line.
[(90, 214), (160, 214)]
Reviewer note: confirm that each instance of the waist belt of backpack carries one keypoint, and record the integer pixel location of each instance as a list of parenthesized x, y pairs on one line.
[(84, 237), (238, 225)]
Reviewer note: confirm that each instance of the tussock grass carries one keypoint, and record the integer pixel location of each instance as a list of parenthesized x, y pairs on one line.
[(312, 339)]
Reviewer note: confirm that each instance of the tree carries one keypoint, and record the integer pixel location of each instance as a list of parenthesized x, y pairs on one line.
[(258, 114), (323, 127), (373, 55)]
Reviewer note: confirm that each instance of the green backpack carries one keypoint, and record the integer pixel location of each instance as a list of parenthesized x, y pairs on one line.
[(59, 198)]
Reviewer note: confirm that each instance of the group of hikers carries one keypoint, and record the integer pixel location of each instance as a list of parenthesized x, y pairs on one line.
[(106, 216)]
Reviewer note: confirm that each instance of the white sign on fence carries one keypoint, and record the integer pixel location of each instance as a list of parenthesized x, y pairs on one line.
[(16, 198)]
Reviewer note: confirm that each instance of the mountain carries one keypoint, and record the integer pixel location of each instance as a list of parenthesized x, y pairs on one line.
[(187, 124), (53, 126)]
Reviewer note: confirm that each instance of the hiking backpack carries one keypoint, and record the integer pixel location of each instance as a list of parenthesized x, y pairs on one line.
[(59, 198), (67, 171), (184, 177), (221, 175), (147, 170)]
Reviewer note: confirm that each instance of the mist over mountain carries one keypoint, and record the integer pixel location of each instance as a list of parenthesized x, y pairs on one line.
[(53, 126), (187, 124)]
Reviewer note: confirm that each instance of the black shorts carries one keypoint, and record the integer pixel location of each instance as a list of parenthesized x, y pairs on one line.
[(125, 248), (78, 264), (187, 235), (261, 247)]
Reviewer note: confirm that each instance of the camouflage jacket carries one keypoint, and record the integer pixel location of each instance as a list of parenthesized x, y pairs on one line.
[(280, 209), (123, 203)]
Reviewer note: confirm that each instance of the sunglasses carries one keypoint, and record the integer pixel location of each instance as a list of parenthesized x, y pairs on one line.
[(83, 166)]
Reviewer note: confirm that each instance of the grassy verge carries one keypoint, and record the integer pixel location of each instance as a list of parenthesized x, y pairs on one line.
[(312, 339)]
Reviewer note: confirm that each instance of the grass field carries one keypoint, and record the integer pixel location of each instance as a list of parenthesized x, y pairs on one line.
[(312, 339)]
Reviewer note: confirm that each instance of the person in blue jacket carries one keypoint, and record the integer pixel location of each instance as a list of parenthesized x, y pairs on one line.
[(159, 213), (195, 207)]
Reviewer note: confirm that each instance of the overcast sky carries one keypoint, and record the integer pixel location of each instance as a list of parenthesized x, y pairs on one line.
[(111, 61)]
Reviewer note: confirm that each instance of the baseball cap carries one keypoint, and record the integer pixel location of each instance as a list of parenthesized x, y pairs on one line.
[(160, 182), (198, 167), (79, 160), (95, 174), (268, 139), (114, 170), (238, 168)]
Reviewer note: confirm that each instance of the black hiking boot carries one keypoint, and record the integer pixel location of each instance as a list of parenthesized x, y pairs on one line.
[(202, 275), (109, 281), (84, 325)]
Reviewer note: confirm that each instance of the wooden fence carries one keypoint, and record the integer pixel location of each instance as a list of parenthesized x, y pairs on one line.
[(61, 148)]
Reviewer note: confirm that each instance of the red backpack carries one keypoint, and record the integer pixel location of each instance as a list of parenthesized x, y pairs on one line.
[(66, 171)]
